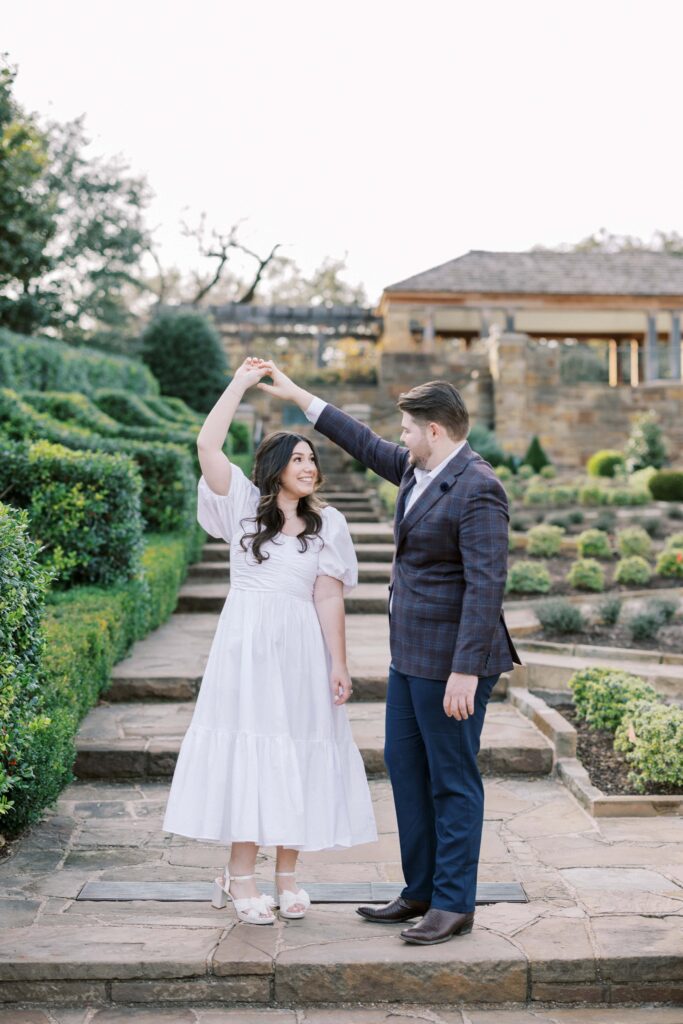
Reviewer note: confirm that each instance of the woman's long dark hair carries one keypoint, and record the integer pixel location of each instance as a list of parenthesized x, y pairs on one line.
[(272, 457)]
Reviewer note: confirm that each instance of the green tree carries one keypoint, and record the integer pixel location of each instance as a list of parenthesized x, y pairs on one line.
[(27, 215), (646, 445), (185, 354)]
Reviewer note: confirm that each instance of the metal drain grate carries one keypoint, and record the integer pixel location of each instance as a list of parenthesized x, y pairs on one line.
[(320, 892)]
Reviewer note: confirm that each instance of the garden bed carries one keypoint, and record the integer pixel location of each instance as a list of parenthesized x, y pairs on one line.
[(607, 768), (669, 639), (560, 587)]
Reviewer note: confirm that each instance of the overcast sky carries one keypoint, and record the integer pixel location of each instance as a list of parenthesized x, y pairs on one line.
[(403, 134)]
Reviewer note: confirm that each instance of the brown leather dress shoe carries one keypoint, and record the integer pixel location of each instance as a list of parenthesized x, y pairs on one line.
[(438, 926), (395, 912)]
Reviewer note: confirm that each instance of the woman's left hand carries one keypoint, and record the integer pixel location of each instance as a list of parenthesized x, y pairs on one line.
[(340, 681)]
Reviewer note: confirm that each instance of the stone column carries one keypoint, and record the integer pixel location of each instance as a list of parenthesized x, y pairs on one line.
[(651, 353), (428, 332), (675, 347)]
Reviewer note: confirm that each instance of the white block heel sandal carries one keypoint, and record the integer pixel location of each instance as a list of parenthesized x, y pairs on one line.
[(250, 909), (288, 899)]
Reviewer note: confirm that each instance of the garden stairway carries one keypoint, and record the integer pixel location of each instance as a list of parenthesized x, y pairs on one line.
[(104, 911)]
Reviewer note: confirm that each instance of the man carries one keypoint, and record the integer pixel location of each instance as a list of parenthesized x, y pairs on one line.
[(449, 641)]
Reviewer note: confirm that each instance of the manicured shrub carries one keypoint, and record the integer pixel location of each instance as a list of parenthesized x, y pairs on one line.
[(627, 496), (84, 509), (24, 722), (548, 472), (605, 462), (49, 365), (185, 354), (609, 610), (504, 473), (528, 578), (670, 564), (603, 695), (645, 625), (240, 438), (544, 541), (634, 540), (526, 472), (126, 408), (606, 520), (485, 443), (633, 571), (586, 574), (654, 526), (674, 542), (592, 495), (73, 409), (645, 446), (535, 456), (667, 485), (558, 615), (548, 494), (593, 544), (651, 736)]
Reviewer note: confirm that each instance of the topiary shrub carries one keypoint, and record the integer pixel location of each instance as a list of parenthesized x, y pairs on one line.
[(558, 615), (548, 472), (670, 564), (645, 446), (603, 695), (667, 485), (184, 352), (504, 473), (485, 443), (626, 496), (609, 610), (593, 495), (586, 574), (528, 578), (605, 462), (544, 541), (548, 494), (674, 542), (633, 571), (651, 736), (634, 540), (526, 472), (593, 544), (128, 409), (535, 456)]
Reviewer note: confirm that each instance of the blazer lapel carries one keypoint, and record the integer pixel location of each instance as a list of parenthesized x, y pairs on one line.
[(407, 484), (437, 488)]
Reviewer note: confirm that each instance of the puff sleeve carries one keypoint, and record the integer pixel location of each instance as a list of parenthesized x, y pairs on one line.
[(220, 514), (337, 557)]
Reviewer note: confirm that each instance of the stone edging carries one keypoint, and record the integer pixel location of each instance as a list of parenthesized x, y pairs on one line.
[(574, 776)]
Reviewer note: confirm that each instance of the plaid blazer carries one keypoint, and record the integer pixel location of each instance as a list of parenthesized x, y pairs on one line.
[(450, 564)]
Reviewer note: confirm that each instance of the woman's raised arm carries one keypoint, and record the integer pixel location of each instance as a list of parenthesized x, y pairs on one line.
[(216, 467)]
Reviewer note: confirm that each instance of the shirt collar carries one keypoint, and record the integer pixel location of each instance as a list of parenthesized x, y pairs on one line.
[(422, 474)]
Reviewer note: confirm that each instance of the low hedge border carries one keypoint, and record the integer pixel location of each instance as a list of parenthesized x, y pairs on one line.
[(85, 631)]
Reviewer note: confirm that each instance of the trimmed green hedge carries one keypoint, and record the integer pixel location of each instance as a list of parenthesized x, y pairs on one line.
[(602, 695), (67, 664), (168, 471), (651, 736), (667, 485), (48, 365), (83, 507)]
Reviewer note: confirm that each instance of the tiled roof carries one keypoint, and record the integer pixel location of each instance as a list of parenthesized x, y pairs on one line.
[(553, 273)]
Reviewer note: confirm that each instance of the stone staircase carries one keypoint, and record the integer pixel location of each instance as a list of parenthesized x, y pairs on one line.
[(601, 925)]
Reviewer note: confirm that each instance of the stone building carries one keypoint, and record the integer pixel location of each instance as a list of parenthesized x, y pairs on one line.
[(504, 325)]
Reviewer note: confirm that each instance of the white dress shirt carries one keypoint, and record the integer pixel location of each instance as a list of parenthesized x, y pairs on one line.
[(423, 477)]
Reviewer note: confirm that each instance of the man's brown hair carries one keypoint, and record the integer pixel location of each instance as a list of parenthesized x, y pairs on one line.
[(437, 401)]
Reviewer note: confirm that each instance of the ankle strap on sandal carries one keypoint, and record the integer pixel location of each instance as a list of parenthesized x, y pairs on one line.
[(240, 878)]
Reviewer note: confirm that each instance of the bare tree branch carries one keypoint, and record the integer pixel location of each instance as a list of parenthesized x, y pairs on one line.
[(251, 290)]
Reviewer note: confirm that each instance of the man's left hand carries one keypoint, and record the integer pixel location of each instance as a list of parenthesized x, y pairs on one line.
[(458, 700)]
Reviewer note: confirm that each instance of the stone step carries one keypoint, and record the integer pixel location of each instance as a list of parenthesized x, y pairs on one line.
[(210, 597), (550, 673), (212, 572), (217, 551), (141, 741)]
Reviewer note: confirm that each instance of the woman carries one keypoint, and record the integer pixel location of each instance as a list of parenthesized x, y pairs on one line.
[(268, 759)]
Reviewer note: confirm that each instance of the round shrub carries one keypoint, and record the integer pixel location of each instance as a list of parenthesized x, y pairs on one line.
[(645, 625), (548, 472), (593, 495), (609, 610), (558, 615), (674, 542), (503, 473), (626, 496), (586, 574), (544, 541), (526, 472), (634, 540), (602, 695), (185, 354), (528, 578), (667, 485), (670, 564), (633, 571), (605, 462), (651, 736), (593, 544)]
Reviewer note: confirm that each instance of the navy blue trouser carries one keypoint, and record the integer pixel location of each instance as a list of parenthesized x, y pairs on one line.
[(438, 792)]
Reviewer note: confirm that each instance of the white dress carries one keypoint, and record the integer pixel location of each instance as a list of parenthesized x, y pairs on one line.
[(268, 758)]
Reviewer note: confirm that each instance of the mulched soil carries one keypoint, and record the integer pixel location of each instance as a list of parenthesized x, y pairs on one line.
[(608, 769), (669, 639)]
